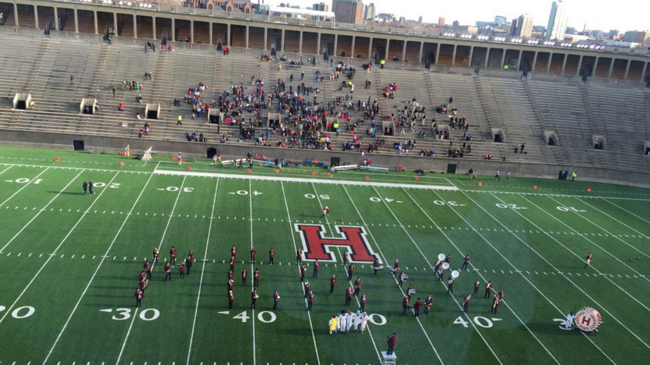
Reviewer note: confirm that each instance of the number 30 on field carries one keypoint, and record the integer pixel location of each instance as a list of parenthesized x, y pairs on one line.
[(122, 314), (20, 312)]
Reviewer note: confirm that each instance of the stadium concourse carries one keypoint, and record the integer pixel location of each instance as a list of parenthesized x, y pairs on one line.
[(81, 231), (590, 126)]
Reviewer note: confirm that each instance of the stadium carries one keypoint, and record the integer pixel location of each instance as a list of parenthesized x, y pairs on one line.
[(282, 190)]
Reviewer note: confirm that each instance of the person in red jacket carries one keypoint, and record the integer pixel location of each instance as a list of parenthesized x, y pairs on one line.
[(303, 271), (233, 251), (254, 297), (332, 283), (417, 306), (468, 298), (271, 255), (348, 296), (138, 297), (244, 276), (299, 256), (310, 301), (392, 341), (405, 304), (231, 299), (256, 277), (253, 253), (316, 267)]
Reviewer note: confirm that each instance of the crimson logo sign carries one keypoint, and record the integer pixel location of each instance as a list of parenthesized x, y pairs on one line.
[(353, 239)]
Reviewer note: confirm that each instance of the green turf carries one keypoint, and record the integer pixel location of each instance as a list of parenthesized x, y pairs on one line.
[(75, 259)]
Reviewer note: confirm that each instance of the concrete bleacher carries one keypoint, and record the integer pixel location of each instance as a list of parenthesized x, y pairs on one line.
[(523, 110)]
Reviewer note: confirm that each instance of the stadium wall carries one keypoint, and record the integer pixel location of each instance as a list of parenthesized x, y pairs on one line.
[(408, 163)]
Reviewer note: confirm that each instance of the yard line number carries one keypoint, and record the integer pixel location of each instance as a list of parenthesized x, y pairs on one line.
[(122, 314), (24, 180), (478, 320), (510, 206), (20, 312)]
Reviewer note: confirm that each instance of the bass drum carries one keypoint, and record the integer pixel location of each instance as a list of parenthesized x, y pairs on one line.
[(587, 319)]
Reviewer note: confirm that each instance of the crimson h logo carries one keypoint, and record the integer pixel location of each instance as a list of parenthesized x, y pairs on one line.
[(353, 239)]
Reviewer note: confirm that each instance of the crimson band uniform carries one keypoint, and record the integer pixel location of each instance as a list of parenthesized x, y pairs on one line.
[(256, 278), (332, 283), (271, 255)]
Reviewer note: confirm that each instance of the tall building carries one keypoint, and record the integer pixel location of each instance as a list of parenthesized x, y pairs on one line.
[(441, 21), (522, 26), (556, 22), (498, 20), (348, 11), (321, 7), (370, 11), (386, 17)]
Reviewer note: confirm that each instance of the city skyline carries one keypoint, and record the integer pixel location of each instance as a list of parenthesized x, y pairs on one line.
[(468, 12)]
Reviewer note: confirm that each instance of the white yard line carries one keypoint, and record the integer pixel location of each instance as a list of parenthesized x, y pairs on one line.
[(5, 170), (96, 270), (42, 210), (329, 227), (205, 255), (301, 180), (554, 268), (250, 199), (55, 250), (295, 249), (24, 186), (626, 210), (428, 262), (484, 280), (593, 243), (616, 220), (153, 264)]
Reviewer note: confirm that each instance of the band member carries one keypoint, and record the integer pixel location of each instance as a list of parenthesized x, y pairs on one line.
[(181, 270), (332, 283), (417, 306), (271, 255), (244, 276), (138, 297), (230, 284), (401, 279), (143, 285), (231, 298), (168, 271), (254, 297), (488, 290), (256, 277), (500, 294), (172, 255), (588, 259), (276, 299), (495, 304), (395, 267), (189, 261), (465, 263), (346, 258), (363, 301), (156, 253), (448, 259), (428, 303), (232, 264), (392, 341), (306, 288), (253, 253), (466, 303), (299, 256), (405, 304), (303, 271), (357, 286), (348, 296), (450, 285), (231, 275), (326, 212), (350, 271), (233, 251), (477, 286), (410, 292), (316, 267), (376, 265), (310, 301), (147, 269)]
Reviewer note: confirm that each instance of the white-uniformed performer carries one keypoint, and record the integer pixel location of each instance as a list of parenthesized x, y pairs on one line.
[(364, 321), (341, 323), (357, 320), (569, 321), (348, 321)]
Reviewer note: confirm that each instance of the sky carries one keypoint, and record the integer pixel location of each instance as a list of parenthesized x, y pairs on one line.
[(628, 15)]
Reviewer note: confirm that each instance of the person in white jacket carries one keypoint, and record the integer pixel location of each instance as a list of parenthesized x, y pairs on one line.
[(364, 321)]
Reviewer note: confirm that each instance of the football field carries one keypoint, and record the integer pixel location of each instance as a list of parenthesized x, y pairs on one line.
[(70, 264)]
